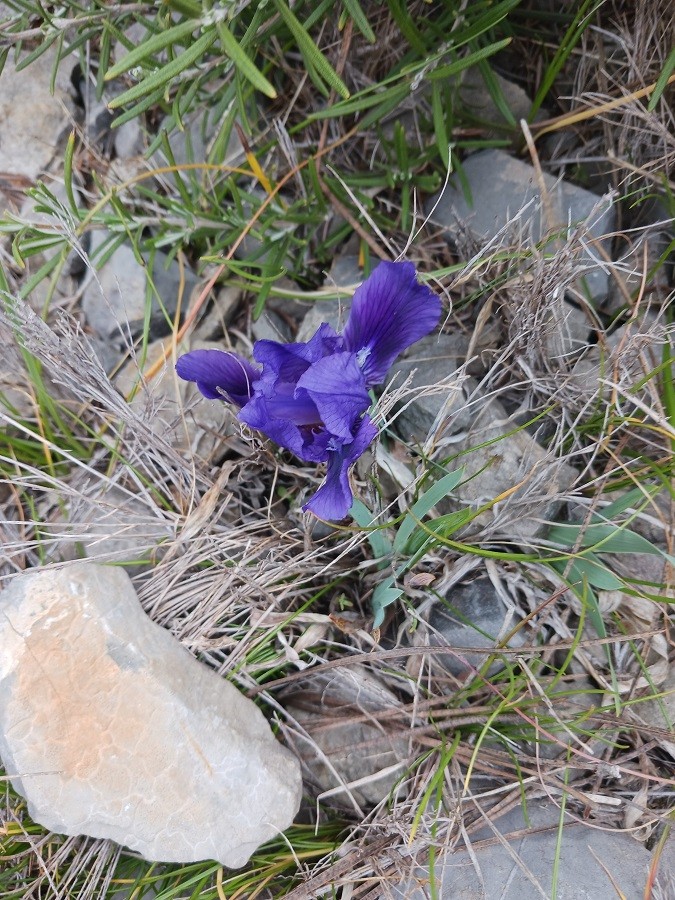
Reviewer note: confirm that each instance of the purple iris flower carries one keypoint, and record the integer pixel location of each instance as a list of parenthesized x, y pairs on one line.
[(312, 398)]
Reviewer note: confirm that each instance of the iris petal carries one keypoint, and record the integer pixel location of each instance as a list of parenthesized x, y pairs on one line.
[(334, 498), (219, 374), (390, 311), (337, 387)]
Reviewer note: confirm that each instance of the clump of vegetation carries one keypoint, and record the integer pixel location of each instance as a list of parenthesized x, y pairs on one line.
[(274, 139)]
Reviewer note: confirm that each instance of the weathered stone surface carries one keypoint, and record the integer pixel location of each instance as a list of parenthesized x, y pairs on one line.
[(354, 749), (114, 302), (108, 524), (497, 459), (500, 186), (473, 616), (345, 272), (478, 99), (594, 863), (110, 728), (430, 363), (33, 120)]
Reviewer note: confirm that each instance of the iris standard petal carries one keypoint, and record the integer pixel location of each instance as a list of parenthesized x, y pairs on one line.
[(334, 498), (219, 374), (390, 311), (337, 387), (287, 362)]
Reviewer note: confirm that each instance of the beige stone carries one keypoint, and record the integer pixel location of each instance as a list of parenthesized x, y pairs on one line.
[(110, 728)]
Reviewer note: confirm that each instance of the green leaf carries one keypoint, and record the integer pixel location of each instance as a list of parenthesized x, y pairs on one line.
[(379, 542), (311, 53), (421, 507), (151, 46), (243, 63), (662, 81), (166, 74), (358, 16), (383, 596), (469, 60), (589, 569), (604, 538)]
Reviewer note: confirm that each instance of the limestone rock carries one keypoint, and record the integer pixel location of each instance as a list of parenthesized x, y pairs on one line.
[(352, 742), (109, 728), (114, 302), (593, 862), (33, 118), (499, 186), (496, 459), (175, 409), (472, 616)]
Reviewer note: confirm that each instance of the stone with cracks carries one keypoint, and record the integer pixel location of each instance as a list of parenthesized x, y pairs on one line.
[(109, 728)]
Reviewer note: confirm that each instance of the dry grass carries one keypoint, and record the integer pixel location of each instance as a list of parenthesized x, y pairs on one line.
[(222, 558)]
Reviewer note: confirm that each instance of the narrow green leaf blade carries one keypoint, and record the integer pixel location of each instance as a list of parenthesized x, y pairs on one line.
[(155, 44), (167, 73), (310, 51), (243, 62), (384, 595), (421, 507)]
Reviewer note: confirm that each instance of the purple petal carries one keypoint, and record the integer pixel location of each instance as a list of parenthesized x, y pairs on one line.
[(390, 311), (219, 374), (337, 387), (296, 428), (287, 362), (334, 498)]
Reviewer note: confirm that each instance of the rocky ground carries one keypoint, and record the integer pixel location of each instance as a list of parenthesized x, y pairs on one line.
[(470, 679)]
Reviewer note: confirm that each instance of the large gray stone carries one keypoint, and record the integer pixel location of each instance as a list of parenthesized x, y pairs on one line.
[(33, 120), (429, 364), (175, 409), (353, 749), (594, 863), (114, 299), (472, 617), (499, 186), (110, 728), (500, 461)]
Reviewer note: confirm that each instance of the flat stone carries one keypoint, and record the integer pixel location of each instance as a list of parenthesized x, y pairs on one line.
[(594, 863), (110, 728), (345, 272), (430, 363), (473, 616), (478, 100), (500, 186), (111, 525), (497, 459), (350, 751), (114, 302), (34, 120)]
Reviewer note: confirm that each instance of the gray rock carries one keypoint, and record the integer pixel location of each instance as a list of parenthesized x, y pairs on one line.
[(500, 186), (270, 327), (630, 353), (430, 363), (473, 616), (594, 863), (496, 460), (114, 299), (348, 741), (110, 728), (34, 120), (345, 273), (660, 715), (476, 97), (109, 525)]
